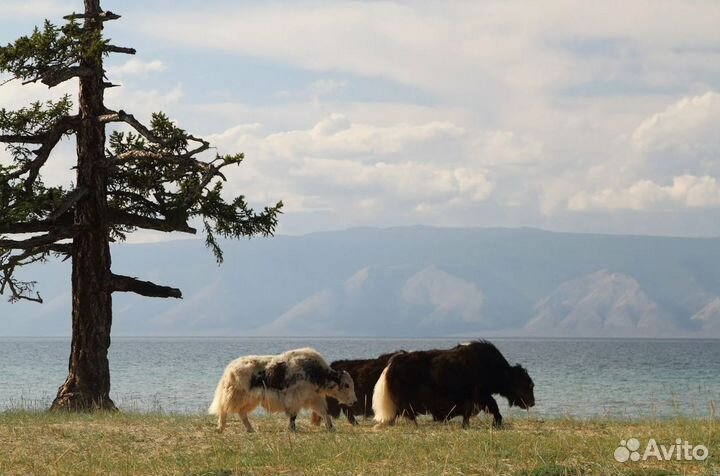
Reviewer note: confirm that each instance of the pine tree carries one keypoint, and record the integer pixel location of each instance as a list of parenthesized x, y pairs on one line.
[(147, 177)]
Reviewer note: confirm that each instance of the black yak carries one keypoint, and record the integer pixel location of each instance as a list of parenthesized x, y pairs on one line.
[(446, 383), (364, 372)]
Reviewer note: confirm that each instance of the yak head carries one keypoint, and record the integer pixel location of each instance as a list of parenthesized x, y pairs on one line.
[(341, 387), (520, 388)]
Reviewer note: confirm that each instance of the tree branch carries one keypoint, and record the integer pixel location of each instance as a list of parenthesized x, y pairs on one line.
[(22, 290), (56, 75), (132, 196), (70, 200), (48, 143), (23, 139), (180, 159), (61, 248), (211, 171), (120, 49), (19, 290), (37, 226), (122, 116), (129, 219), (102, 16), (126, 284), (57, 234)]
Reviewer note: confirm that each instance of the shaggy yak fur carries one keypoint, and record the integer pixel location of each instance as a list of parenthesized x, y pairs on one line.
[(448, 383), (287, 383), (364, 372)]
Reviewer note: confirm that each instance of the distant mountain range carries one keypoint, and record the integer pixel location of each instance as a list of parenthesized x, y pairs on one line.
[(408, 281)]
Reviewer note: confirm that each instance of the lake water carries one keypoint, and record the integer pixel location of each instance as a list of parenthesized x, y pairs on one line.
[(573, 377)]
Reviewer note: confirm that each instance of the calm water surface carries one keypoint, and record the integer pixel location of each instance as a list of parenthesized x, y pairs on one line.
[(579, 378)]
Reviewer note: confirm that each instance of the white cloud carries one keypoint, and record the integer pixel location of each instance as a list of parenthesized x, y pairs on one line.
[(405, 180), (684, 138), (338, 166), (694, 119), (459, 49), (316, 91), (553, 112), (151, 236), (503, 148), (686, 191), (325, 87), (473, 183), (337, 136), (136, 67), (33, 9), (14, 95), (669, 161), (142, 103), (499, 112)]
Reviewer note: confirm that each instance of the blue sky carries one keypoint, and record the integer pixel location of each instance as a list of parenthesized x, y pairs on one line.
[(561, 115)]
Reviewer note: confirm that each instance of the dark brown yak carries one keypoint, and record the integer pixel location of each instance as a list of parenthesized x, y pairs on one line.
[(364, 372), (446, 383)]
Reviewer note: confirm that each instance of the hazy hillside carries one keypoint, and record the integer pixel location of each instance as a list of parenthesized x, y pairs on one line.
[(600, 304), (407, 282)]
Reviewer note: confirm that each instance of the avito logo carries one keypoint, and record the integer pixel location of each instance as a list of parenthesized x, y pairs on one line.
[(680, 451)]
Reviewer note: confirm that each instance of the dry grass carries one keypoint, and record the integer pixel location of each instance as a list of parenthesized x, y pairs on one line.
[(141, 444)]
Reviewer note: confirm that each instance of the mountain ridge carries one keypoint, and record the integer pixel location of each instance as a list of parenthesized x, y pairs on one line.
[(419, 280)]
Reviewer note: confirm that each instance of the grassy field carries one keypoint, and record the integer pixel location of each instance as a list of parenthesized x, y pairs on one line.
[(141, 444)]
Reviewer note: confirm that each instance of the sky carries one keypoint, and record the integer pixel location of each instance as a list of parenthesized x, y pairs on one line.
[(596, 117)]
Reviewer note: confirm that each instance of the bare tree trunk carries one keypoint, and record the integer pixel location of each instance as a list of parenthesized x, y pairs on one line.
[(87, 386)]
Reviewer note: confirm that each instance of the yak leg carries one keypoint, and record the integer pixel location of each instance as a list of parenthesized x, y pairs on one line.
[(292, 410), (328, 422), (222, 420), (350, 416), (319, 407), (292, 426), (246, 422), (490, 405), (315, 419), (468, 408), (411, 416)]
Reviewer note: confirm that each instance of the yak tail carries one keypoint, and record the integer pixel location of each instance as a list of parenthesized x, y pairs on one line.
[(215, 405), (219, 396), (382, 402)]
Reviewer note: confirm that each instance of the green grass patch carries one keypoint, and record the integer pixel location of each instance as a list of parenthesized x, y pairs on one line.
[(147, 444)]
